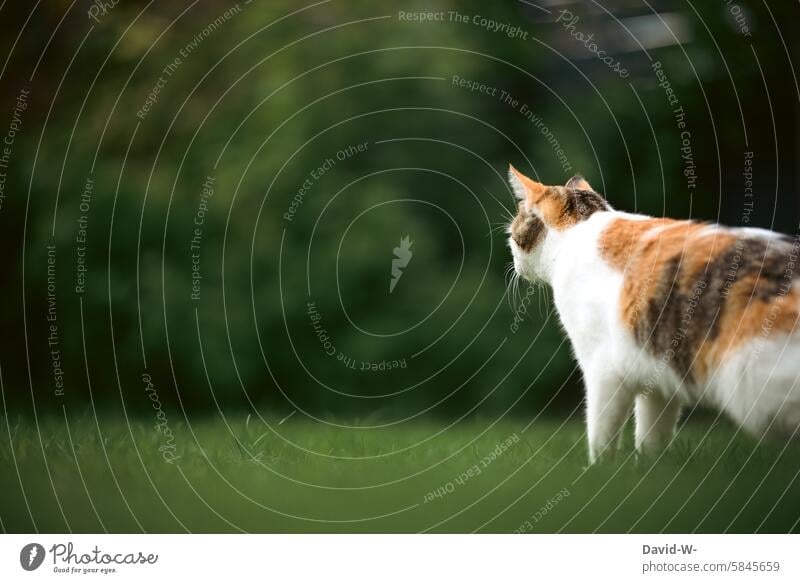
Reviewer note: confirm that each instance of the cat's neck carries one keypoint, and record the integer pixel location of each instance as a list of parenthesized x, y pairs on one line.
[(565, 251)]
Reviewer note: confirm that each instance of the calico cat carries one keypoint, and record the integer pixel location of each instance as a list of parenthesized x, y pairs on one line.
[(665, 313)]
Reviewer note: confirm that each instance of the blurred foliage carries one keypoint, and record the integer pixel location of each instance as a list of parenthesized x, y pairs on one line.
[(270, 94)]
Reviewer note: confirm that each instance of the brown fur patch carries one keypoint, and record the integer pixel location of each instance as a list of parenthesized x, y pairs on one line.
[(692, 292), (760, 298), (527, 229)]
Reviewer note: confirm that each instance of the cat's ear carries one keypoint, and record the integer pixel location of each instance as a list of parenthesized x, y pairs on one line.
[(552, 204), (527, 190), (578, 182)]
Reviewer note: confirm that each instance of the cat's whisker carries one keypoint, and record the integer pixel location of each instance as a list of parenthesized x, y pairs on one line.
[(510, 275), (508, 271), (537, 292), (498, 228), (548, 302), (544, 296), (509, 279), (511, 291), (502, 206), (514, 304)]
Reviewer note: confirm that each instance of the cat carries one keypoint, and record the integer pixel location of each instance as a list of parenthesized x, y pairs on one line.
[(664, 313)]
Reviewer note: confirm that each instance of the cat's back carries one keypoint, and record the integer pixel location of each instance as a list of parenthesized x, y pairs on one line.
[(694, 293)]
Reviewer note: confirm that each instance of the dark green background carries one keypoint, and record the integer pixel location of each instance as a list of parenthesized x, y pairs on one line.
[(272, 99)]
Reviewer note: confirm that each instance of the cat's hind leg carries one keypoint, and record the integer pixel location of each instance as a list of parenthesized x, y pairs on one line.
[(656, 417)]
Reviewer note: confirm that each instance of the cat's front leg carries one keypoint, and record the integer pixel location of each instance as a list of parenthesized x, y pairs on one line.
[(608, 405), (656, 417)]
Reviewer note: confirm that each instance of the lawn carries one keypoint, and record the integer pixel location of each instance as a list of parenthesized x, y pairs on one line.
[(252, 474)]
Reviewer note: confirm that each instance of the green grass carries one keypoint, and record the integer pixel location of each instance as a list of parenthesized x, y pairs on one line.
[(238, 474)]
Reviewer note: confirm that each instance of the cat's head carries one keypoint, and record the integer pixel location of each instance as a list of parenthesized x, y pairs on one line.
[(545, 211)]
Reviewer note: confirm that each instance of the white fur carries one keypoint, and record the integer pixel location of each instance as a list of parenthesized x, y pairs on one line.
[(758, 386)]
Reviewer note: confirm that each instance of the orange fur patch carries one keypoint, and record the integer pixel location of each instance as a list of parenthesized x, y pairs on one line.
[(552, 209), (687, 289), (621, 238)]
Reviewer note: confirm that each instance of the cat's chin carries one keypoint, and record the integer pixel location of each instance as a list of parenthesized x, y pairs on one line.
[(531, 279)]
